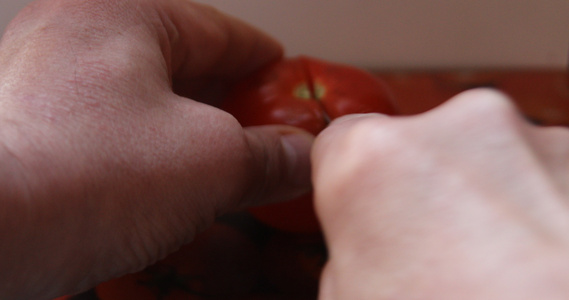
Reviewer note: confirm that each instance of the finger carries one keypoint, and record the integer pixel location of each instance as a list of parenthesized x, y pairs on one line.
[(346, 161), (479, 108), (353, 118), (183, 43), (228, 47), (328, 141), (279, 167)]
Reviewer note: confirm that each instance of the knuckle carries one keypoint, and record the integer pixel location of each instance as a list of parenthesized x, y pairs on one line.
[(76, 21), (486, 104), (370, 136), (355, 153), (481, 112), (83, 15)]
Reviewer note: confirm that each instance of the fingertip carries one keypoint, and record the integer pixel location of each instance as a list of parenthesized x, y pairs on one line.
[(297, 146), (280, 167), (339, 126), (478, 104), (482, 93), (228, 47), (353, 118)]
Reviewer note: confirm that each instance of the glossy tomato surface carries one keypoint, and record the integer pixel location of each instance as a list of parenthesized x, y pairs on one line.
[(307, 93)]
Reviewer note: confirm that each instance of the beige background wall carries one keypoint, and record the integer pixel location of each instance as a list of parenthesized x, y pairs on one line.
[(407, 33)]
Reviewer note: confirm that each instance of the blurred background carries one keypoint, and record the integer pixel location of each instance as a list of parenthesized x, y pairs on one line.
[(407, 34)]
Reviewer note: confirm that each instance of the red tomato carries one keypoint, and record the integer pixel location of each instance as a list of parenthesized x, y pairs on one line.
[(306, 93), (296, 215)]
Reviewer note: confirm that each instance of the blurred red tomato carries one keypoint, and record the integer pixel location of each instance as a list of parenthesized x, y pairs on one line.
[(306, 93)]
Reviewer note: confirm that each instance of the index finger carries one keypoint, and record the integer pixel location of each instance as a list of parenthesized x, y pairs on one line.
[(210, 49), (207, 42), (179, 41)]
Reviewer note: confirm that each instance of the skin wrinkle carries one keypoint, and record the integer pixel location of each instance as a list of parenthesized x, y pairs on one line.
[(532, 164), (438, 217), (121, 170), (118, 188), (213, 32), (20, 182), (264, 184), (168, 35)]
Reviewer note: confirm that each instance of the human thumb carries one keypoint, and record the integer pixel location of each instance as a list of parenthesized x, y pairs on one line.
[(279, 165)]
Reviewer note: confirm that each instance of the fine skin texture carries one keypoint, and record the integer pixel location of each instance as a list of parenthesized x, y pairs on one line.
[(467, 201), (111, 154)]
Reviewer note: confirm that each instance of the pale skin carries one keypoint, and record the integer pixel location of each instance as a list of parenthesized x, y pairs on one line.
[(468, 201), (113, 155)]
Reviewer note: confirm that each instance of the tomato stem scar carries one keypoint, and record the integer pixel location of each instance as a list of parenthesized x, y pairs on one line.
[(316, 90)]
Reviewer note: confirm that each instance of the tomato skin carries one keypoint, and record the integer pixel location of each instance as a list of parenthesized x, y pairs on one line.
[(349, 90), (296, 215), (307, 93), (268, 97)]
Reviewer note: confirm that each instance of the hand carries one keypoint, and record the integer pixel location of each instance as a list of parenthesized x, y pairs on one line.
[(112, 153), (467, 201)]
